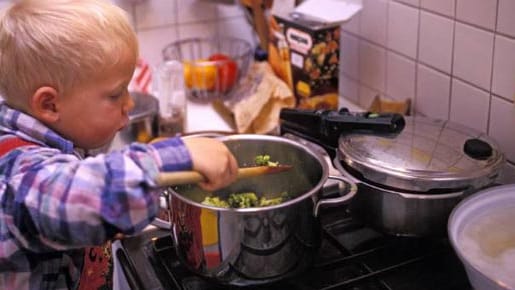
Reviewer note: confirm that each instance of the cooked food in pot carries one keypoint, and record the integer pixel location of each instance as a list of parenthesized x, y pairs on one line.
[(248, 199), (264, 160), (245, 200)]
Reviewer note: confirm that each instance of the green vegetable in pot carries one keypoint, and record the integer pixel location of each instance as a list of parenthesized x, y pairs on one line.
[(245, 200), (215, 201), (264, 160)]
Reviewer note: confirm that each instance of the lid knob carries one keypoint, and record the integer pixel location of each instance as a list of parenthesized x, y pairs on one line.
[(477, 149)]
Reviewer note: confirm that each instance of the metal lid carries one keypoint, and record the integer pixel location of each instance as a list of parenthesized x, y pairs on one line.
[(426, 155)]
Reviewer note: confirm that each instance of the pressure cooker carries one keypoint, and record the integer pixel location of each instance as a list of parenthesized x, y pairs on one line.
[(410, 171)]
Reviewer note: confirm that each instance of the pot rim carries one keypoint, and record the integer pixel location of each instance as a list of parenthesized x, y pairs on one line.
[(313, 190), (370, 155), (406, 195)]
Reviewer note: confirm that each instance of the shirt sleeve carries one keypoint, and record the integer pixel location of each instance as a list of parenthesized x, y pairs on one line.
[(58, 201)]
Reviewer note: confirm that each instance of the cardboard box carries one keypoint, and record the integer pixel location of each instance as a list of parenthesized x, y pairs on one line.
[(305, 54), (304, 48)]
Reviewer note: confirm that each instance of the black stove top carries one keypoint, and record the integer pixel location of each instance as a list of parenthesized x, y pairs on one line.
[(351, 256)]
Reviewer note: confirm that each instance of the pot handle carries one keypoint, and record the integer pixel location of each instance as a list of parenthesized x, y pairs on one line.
[(164, 203), (353, 189)]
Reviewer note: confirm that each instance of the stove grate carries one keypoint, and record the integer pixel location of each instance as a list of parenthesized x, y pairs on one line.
[(351, 256)]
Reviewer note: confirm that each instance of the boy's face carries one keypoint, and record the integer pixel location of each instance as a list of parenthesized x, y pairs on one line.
[(93, 112)]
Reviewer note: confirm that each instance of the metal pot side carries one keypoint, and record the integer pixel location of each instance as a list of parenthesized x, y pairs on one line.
[(402, 214)]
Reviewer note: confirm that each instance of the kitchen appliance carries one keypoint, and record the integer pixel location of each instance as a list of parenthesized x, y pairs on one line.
[(481, 232), (351, 256), (257, 245), (410, 171)]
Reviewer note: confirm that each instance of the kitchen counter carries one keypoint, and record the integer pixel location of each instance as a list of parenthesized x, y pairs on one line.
[(203, 117)]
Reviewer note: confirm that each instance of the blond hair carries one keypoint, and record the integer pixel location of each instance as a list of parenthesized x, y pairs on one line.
[(59, 43)]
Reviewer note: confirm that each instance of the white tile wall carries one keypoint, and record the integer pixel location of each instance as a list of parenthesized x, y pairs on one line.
[(464, 60), (473, 54), (503, 82), (155, 14), (195, 11), (403, 29), (469, 103), (372, 64), (350, 88), (477, 12), (349, 55), (400, 77), (433, 93), (373, 21), (411, 2), (152, 41), (445, 7), (435, 42), (505, 19)]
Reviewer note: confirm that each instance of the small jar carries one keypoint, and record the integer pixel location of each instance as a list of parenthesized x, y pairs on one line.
[(171, 94)]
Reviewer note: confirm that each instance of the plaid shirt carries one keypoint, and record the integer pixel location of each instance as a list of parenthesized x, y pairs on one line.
[(53, 202)]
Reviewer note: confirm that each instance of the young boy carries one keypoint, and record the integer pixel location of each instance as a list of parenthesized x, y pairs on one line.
[(65, 66)]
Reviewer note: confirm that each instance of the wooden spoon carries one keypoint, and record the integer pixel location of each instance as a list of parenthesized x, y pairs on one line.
[(188, 177)]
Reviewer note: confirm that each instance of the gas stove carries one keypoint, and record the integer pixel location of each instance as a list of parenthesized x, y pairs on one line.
[(351, 256)]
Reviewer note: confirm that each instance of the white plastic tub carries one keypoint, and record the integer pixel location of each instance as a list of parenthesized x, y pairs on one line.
[(482, 232)]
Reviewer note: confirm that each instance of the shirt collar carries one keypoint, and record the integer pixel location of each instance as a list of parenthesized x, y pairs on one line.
[(27, 127)]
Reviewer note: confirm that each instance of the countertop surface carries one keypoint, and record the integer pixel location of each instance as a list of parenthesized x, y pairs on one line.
[(203, 117)]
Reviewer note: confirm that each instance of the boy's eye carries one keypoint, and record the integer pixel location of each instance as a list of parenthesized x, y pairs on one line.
[(115, 97)]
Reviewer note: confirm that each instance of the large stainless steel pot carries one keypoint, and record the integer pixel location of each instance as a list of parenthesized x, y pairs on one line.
[(408, 183), (255, 245)]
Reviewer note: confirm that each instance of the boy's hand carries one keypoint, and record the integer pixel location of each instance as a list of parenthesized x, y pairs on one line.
[(212, 159)]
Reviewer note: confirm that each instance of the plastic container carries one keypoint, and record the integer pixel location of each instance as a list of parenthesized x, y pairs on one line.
[(481, 232), (171, 94)]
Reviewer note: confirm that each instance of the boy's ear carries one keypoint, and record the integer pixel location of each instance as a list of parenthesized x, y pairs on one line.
[(44, 104)]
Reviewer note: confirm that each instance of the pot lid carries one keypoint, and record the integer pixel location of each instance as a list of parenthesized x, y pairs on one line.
[(427, 155)]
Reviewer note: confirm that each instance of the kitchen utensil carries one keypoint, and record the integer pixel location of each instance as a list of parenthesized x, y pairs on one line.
[(213, 67), (171, 94), (250, 246), (410, 173), (188, 177), (482, 234)]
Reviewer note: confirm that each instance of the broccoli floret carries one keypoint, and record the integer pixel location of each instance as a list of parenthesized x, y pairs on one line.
[(270, 201), (243, 200), (246, 200), (284, 196), (264, 160), (215, 201)]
